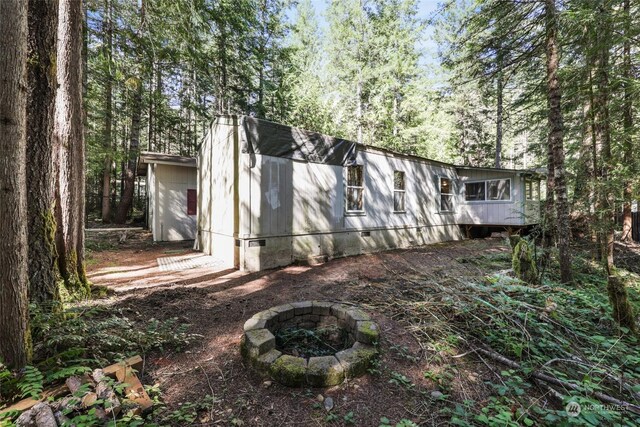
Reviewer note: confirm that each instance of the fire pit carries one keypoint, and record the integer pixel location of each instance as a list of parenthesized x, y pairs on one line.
[(310, 343)]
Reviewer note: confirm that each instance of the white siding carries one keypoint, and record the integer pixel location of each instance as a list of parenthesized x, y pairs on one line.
[(496, 212), (259, 212), (296, 210), (170, 185), (216, 182), (151, 194)]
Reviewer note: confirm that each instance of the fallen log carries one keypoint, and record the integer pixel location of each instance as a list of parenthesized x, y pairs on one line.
[(134, 363), (106, 393), (74, 384), (553, 380), (40, 415), (28, 403)]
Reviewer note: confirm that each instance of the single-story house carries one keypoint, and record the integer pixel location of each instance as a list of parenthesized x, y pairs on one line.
[(172, 183), (269, 195)]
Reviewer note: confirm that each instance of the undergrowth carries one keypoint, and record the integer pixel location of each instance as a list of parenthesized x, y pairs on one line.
[(564, 331), (78, 340)]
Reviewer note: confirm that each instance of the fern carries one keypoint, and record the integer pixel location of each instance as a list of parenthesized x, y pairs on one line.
[(32, 382), (67, 372)]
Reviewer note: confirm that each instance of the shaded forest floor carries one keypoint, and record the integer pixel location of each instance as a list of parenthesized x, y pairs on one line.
[(435, 305)]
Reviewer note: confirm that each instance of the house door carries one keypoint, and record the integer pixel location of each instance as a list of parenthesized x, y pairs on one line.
[(177, 216)]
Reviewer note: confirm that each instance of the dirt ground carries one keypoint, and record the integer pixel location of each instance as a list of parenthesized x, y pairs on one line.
[(217, 304)]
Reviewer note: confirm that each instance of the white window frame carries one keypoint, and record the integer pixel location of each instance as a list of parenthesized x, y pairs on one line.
[(440, 194), (361, 187), (486, 191), (401, 191)]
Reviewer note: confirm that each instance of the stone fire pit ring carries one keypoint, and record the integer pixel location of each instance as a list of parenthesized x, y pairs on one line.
[(258, 344)]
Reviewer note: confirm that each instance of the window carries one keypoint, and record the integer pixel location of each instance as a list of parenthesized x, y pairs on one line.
[(496, 189), (474, 191), (499, 189), (531, 190), (192, 202), (446, 195), (355, 188), (398, 191)]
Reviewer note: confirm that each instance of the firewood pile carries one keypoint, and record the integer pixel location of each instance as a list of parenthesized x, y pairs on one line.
[(108, 393)]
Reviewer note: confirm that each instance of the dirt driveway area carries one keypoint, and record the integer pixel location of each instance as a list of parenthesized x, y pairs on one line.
[(217, 303)]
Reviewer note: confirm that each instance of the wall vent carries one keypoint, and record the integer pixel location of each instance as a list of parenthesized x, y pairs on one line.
[(254, 243), (365, 233)]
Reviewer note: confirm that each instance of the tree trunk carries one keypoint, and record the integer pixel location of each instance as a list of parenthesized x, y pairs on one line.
[(555, 141), (157, 98), (15, 346), (150, 112), (43, 27), (359, 111), (129, 174), (499, 112), (70, 148), (618, 296), (396, 112), (584, 172), (108, 117), (627, 123), (622, 310), (549, 231), (606, 213), (223, 102)]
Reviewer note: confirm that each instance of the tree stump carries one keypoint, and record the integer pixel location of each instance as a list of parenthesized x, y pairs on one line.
[(524, 265)]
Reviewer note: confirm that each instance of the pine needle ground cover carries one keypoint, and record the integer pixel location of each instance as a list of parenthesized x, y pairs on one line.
[(445, 311)]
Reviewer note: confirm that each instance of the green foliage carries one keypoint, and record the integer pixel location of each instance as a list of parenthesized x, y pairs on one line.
[(101, 335), (332, 417), (403, 352), (385, 422), (187, 414), (443, 379), (78, 340), (572, 331), (401, 380), (524, 262), (31, 383), (349, 418), (564, 331)]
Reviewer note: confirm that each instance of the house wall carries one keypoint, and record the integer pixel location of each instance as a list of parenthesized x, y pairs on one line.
[(217, 215), (169, 205), (151, 200), (516, 211), (257, 212), (295, 210)]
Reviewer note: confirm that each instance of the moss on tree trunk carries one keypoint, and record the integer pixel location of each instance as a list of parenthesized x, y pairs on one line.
[(522, 260), (619, 299)]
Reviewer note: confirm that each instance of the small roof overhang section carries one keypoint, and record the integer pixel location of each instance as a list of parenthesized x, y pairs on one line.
[(148, 158)]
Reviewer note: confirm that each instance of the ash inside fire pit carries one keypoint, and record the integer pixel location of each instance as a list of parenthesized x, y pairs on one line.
[(318, 341)]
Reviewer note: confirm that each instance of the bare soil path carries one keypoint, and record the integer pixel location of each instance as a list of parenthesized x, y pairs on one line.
[(216, 304)]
